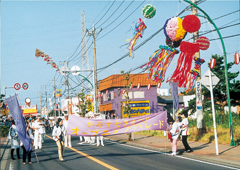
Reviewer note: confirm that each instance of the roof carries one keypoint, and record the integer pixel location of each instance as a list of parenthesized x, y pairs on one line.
[(117, 80)]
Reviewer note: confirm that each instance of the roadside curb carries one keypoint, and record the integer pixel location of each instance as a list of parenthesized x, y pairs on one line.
[(205, 158), (4, 154)]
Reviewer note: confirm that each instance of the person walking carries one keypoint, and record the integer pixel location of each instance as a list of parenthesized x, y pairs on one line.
[(58, 134), (15, 142), (25, 153), (43, 130), (175, 133), (99, 138), (184, 130), (67, 138), (36, 126)]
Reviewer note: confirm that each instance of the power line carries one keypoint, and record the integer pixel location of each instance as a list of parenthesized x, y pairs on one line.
[(105, 13), (225, 37), (112, 14), (122, 21)]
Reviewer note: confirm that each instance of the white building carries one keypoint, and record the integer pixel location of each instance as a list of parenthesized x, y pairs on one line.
[(162, 92)]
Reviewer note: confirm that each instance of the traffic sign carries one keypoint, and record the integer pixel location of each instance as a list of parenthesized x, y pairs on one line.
[(206, 82), (25, 86), (17, 86)]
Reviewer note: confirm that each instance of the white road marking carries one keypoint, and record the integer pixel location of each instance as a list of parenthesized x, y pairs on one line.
[(175, 156)]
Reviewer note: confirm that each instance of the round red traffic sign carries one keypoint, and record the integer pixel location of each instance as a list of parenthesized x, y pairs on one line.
[(17, 86), (25, 86)]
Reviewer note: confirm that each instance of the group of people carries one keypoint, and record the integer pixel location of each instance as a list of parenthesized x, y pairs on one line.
[(175, 129)]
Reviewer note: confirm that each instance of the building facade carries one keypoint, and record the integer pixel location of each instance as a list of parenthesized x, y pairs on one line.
[(112, 94)]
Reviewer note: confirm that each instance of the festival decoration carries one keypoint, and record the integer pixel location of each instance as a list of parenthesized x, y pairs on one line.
[(173, 29), (39, 53), (203, 42), (191, 23), (149, 86), (184, 62), (159, 62), (139, 86), (139, 30), (236, 58), (194, 73), (149, 11), (212, 63)]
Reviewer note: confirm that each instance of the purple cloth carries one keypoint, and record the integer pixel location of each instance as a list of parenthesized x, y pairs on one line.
[(79, 126), (174, 88), (16, 112)]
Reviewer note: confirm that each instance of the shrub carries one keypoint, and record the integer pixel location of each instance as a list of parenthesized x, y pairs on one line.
[(4, 130)]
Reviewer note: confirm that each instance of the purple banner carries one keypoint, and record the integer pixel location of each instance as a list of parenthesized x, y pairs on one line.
[(16, 112), (79, 126)]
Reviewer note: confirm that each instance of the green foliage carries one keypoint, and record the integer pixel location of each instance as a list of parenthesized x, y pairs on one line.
[(4, 130), (58, 113), (83, 103)]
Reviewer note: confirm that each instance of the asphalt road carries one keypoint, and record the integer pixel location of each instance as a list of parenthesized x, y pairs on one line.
[(111, 156)]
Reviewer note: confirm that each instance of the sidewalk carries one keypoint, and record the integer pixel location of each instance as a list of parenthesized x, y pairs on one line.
[(228, 155)]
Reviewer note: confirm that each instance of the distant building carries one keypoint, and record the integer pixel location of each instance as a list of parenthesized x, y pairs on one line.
[(162, 92), (112, 90)]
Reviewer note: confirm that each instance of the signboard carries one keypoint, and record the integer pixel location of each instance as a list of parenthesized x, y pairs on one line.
[(17, 86), (58, 93), (206, 82), (138, 108), (29, 109), (25, 86), (89, 103)]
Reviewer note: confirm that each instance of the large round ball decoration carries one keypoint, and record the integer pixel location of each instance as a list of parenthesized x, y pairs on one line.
[(203, 42), (173, 29), (149, 11), (191, 23)]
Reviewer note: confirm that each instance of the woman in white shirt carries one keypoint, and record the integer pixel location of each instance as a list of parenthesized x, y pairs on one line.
[(58, 134), (175, 133), (67, 138)]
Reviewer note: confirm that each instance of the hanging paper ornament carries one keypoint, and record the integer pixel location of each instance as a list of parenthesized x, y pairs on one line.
[(159, 62), (203, 42), (123, 91), (191, 23), (139, 30), (193, 74), (159, 85), (173, 44), (131, 87), (149, 86), (173, 29), (149, 11), (139, 86), (236, 58), (184, 63), (212, 63)]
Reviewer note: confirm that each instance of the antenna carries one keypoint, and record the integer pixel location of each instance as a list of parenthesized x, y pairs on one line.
[(84, 63)]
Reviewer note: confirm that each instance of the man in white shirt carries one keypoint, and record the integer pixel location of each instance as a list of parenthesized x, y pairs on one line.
[(67, 138), (184, 130), (43, 130)]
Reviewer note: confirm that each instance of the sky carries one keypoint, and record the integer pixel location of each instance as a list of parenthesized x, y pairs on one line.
[(55, 28)]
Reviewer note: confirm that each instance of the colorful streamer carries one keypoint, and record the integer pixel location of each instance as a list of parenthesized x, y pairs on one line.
[(139, 30), (159, 62), (39, 53), (184, 63)]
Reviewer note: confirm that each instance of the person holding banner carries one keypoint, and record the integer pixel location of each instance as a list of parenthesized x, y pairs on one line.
[(175, 133), (15, 142), (58, 134), (25, 153), (98, 116), (184, 129), (36, 126), (67, 138)]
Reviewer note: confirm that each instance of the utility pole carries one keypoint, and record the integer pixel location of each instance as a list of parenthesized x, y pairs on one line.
[(54, 108), (67, 89), (41, 102), (198, 85), (92, 32), (45, 97)]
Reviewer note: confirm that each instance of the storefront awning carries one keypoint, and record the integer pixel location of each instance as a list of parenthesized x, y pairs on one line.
[(105, 107)]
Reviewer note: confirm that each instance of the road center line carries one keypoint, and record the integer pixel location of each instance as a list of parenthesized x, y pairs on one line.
[(175, 156), (90, 157)]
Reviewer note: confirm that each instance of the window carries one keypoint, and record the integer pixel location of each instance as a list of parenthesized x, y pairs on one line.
[(111, 96), (129, 94), (138, 94)]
